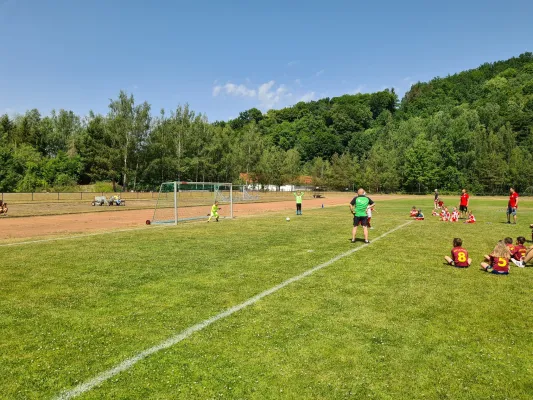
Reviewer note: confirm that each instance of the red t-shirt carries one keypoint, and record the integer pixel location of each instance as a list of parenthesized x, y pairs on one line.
[(511, 248), (460, 257), (519, 251), (499, 264), (464, 199), (513, 199)]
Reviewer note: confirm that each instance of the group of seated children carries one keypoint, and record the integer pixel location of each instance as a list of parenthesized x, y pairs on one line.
[(497, 262), (417, 214), (445, 215)]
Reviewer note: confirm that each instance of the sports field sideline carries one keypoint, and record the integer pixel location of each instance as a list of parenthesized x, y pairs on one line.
[(386, 321)]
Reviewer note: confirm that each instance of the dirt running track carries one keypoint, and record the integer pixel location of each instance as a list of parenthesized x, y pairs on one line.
[(60, 225)]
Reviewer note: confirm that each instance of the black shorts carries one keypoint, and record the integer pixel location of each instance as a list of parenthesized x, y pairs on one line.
[(463, 208), (363, 221)]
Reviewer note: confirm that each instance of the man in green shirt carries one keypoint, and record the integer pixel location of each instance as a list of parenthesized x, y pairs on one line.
[(299, 196), (358, 207)]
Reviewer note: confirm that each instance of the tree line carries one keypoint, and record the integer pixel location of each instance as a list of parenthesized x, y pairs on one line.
[(473, 129)]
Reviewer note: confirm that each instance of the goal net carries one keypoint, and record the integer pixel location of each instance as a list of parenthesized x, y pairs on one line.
[(186, 201), (249, 194)]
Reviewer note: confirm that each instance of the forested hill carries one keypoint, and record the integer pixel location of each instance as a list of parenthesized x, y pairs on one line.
[(473, 129)]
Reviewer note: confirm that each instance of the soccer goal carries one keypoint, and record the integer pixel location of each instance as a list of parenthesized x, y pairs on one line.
[(186, 201), (249, 195)]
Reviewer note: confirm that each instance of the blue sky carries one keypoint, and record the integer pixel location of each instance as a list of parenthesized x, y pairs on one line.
[(223, 57)]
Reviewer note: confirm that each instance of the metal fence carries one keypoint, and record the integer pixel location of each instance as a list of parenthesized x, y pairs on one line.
[(72, 196)]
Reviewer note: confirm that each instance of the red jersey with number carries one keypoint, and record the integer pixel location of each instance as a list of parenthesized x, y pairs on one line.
[(464, 199), (519, 251), (460, 257), (499, 264), (513, 199)]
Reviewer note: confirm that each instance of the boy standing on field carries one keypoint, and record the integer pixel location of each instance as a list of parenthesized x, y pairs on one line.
[(299, 196), (358, 207)]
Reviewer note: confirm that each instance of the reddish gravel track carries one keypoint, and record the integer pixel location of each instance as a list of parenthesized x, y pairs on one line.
[(59, 225)]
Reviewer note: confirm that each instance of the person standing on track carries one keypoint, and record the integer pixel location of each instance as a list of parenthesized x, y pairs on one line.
[(512, 205), (358, 207), (299, 196), (463, 203)]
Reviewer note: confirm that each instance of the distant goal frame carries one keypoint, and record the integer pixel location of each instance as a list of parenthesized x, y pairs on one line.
[(224, 196)]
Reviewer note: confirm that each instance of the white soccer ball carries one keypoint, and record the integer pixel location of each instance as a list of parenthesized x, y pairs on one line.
[(287, 219)]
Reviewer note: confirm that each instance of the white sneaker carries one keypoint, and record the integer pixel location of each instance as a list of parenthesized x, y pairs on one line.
[(519, 264)]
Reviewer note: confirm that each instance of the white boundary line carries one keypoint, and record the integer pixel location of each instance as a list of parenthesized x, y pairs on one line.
[(79, 236), (130, 362)]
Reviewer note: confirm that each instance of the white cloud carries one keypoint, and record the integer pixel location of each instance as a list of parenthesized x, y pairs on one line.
[(233, 90), (269, 96), (292, 63), (307, 97), (320, 72)]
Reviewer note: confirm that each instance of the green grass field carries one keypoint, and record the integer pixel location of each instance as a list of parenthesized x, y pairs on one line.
[(390, 321)]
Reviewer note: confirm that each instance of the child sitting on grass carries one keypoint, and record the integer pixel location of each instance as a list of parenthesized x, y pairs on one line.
[(459, 257), (498, 261), (455, 215), (414, 211), (520, 251), (509, 242), (419, 215), (471, 219), (445, 214)]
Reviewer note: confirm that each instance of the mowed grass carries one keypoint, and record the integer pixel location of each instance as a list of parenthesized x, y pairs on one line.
[(387, 322)]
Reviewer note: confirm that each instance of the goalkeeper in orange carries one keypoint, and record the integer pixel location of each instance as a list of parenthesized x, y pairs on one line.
[(214, 212)]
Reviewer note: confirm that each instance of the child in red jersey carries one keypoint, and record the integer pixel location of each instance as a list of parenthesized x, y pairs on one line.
[(440, 204), (369, 210), (471, 219), (445, 214), (455, 215), (519, 251), (459, 257), (509, 242), (414, 211), (498, 261)]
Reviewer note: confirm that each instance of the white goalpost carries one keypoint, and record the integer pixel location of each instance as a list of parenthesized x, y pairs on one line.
[(187, 201)]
